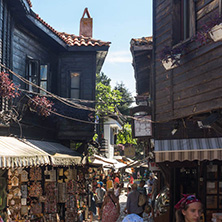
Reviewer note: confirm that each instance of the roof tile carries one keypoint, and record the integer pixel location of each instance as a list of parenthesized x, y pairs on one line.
[(71, 39), (29, 2)]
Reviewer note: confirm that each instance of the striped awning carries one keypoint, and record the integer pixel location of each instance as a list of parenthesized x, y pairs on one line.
[(27, 153), (15, 153), (188, 149)]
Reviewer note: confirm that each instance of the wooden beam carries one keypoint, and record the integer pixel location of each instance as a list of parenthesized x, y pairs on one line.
[(220, 10)]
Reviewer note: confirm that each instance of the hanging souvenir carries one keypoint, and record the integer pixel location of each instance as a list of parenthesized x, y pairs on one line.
[(35, 189), (24, 191), (24, 210), (35, 173), (61, 192), (50, 175), (24, 176), (51, 194), (23, 201), (15, 181), (36, 207), (12, 202), (9, 173), (17, 193)]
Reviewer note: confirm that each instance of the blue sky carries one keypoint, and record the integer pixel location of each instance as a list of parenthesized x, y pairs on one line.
[(116, 21)]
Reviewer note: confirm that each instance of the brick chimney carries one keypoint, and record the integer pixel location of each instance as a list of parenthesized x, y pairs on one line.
[(86, 24)]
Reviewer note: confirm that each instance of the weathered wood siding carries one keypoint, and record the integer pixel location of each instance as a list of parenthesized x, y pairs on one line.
[(85, 64), (5, 34), (25, 44), (194, 87), (142, 71)]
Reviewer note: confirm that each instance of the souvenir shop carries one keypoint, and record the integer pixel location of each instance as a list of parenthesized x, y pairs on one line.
[(36, 190)]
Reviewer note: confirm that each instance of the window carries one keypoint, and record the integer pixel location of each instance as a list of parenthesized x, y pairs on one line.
[(43, 78), (183, 20), (37, 74), (33, 73), (75, 85)]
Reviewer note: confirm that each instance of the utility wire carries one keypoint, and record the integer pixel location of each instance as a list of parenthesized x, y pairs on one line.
[(66, 101)]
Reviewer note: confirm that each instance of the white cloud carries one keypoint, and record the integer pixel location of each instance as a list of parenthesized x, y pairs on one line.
[(119, 57)]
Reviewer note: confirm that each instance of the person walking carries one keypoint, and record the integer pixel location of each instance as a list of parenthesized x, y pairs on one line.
[(188, 209), (109, 183), (100, 193), (110, 207), (117, 190), (132, 202), (92, 204)]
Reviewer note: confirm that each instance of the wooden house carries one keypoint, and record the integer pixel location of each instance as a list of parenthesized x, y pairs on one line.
[(63, 64), (187, 101)]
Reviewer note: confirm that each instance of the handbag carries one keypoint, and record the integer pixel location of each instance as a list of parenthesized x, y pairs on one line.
[(141, 200)]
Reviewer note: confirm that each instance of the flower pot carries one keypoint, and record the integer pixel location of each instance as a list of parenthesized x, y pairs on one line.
[(216, 33), (170, 64)]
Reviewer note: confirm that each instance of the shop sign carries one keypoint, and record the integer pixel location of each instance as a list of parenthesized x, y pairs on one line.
[(142, 126), (129, 151), (153, 167)]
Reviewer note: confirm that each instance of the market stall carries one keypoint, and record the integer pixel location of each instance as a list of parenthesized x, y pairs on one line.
[(41, 181)]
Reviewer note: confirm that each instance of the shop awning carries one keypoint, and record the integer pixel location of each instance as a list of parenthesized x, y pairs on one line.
[(188, 149), (15, 153), (60, 155)]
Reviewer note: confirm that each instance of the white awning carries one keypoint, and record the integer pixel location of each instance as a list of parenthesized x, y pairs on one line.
[(27, 153), (16, 153), (188, 149), (60, 155)]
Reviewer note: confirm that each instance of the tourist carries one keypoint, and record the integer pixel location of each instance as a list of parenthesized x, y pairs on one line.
[(132, 202), (188, 209), (100, 193), (117, 190), (109, 183), (92, 204), (110, 207)]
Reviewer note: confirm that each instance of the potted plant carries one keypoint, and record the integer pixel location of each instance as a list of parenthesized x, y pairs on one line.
[(170, 57), (216, 29), (210, 29)]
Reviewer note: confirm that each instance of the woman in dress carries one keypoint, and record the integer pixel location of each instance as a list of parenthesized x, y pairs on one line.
[(110, 207), (188, 209)]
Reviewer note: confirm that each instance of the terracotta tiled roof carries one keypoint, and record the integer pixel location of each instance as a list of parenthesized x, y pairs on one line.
[(142, 41), (73, 40), (29, 2)]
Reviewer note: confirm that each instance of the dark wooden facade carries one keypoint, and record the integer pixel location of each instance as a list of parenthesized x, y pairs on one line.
[(193, 87), (187, 95), (141, 50), (26, 37)]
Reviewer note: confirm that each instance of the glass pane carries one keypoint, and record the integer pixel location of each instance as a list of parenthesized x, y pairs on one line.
[(43, 72), (220, 187), (75, 79), (220, 202), (43, 84), (212, 171), (75, 93), (211, 202), (221, 173), (211, 187)]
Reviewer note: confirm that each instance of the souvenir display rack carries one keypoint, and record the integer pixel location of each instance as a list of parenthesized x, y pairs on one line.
[(46, 194)]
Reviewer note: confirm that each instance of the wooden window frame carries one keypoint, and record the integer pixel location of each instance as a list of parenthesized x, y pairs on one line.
[(75, 88), (36, 69), (184, 24)]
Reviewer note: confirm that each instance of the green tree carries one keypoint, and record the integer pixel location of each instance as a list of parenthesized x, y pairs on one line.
[(127, 98), (107, 99), (125, 135), (102, 78)]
